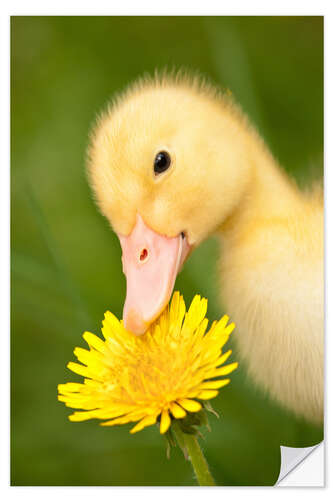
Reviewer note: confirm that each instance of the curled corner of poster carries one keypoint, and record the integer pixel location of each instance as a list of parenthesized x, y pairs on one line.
[(302, 466)]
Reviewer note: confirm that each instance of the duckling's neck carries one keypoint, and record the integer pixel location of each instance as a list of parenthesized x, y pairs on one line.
[(269, 195)]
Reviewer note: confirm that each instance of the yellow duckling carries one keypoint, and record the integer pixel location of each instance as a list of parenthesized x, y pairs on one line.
[(172, 161)]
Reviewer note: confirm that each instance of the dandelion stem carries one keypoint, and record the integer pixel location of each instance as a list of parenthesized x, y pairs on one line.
[(189, 444)]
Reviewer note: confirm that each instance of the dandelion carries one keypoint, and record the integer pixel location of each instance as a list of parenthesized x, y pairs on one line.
[(164, 375)]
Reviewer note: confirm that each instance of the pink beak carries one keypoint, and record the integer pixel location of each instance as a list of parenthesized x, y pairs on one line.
[(151, 263)]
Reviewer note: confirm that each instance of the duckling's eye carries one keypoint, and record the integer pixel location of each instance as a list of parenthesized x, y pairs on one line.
[(162, 162)]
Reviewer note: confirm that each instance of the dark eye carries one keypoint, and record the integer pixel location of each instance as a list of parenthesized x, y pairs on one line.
[(162, 162)]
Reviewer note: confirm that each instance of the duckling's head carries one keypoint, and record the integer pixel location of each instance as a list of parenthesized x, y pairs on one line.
[(168, 164)]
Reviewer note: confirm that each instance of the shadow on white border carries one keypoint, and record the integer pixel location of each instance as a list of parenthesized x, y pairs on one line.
[(296, 471)]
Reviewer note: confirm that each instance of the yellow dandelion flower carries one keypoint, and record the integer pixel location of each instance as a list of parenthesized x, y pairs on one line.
[(162, 374)]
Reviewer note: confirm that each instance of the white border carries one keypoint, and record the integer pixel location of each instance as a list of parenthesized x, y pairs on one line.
[(170, 7), (123, 7)]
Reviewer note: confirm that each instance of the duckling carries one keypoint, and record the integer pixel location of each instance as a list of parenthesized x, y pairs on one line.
[(172, 161)]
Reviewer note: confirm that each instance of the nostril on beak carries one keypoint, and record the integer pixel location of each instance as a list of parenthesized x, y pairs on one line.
[(143, 255)]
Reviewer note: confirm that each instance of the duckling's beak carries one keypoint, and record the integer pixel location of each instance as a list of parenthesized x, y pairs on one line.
[(151, 263)]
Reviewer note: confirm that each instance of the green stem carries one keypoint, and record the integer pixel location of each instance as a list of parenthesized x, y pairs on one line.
[(189, 443)]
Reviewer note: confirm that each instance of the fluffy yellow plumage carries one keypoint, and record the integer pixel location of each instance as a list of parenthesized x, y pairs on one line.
[(224, 181), (161, 374)]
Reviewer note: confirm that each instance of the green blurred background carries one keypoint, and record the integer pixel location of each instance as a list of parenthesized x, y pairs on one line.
[(66, 268)]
